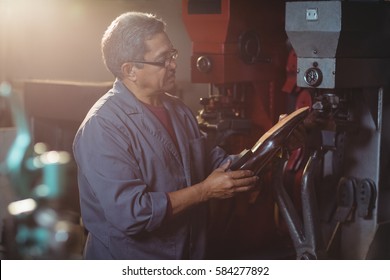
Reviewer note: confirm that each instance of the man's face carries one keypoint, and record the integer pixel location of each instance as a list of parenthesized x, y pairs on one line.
[(152, 79)]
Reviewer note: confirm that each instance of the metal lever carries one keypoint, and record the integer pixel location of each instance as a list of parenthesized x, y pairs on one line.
[(305, 231), (345, 205)]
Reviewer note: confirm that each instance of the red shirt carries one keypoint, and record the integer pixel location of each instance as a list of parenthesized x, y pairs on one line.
[(161, 113)]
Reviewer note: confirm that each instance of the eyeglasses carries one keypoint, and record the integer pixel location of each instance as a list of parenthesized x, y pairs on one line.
[(172, 55)]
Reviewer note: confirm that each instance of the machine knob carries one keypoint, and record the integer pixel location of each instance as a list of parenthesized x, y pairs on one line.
[(313, 77), (203, 64), (249, 44)]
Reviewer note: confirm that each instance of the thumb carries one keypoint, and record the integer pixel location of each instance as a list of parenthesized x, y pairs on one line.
[(226, 165)]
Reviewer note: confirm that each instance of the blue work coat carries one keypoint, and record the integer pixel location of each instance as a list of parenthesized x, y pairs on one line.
[(127, 162)]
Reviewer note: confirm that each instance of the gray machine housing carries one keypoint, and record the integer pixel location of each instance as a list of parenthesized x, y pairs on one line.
[(343, 50), (339, 43)]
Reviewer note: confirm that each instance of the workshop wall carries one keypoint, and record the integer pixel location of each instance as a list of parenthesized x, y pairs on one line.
[(60, 40)]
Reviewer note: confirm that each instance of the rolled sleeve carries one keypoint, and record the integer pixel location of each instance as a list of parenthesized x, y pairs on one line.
[(159, 210)]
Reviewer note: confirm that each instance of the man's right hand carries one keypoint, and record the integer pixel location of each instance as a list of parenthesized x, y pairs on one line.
[(220, 184), (223, 183)]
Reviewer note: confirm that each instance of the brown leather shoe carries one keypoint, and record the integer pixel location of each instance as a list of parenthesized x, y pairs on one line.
[(270, 143)]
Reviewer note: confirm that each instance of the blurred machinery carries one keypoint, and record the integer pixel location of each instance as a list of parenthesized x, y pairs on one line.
[(43, 220), (329, 199), (36, 227)]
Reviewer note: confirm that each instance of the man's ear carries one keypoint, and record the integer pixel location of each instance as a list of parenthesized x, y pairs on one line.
[(128, 71)]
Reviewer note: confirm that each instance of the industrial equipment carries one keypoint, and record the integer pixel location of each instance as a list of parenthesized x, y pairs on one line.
[(330, 198), (343, 57), (324, 63), (37, 228), (239, 49)]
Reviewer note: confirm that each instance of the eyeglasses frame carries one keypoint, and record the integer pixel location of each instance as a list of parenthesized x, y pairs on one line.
[(173, 56)]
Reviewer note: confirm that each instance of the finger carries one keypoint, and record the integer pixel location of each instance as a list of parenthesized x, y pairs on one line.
[(246, 181), (238, 174), (243, 189)]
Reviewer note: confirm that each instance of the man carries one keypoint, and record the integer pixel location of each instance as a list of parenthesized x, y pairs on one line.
[(142, 161)]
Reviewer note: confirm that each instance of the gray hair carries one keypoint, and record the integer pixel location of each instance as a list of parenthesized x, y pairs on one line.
[(125, 38)]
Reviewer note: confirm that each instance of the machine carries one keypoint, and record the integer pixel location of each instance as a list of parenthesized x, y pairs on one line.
[(328, 200), (324, 63), (37, 227), (343, 56), (239, 50)]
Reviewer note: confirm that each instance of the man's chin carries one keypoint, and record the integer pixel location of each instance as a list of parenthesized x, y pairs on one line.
[(171, 88)]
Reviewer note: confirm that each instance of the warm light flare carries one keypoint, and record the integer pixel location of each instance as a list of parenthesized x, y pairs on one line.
[(22, 206)]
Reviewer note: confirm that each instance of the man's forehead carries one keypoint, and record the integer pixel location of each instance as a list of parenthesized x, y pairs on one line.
[(159, 44)]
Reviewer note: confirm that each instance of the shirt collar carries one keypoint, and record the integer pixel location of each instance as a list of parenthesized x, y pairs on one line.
[(130, 103)]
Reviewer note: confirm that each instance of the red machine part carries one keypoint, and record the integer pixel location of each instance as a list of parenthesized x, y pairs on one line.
[(251, 30), (241, 42)]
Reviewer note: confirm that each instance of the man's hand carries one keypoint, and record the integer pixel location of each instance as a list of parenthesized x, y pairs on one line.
[(219, 184), (223, 184)]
